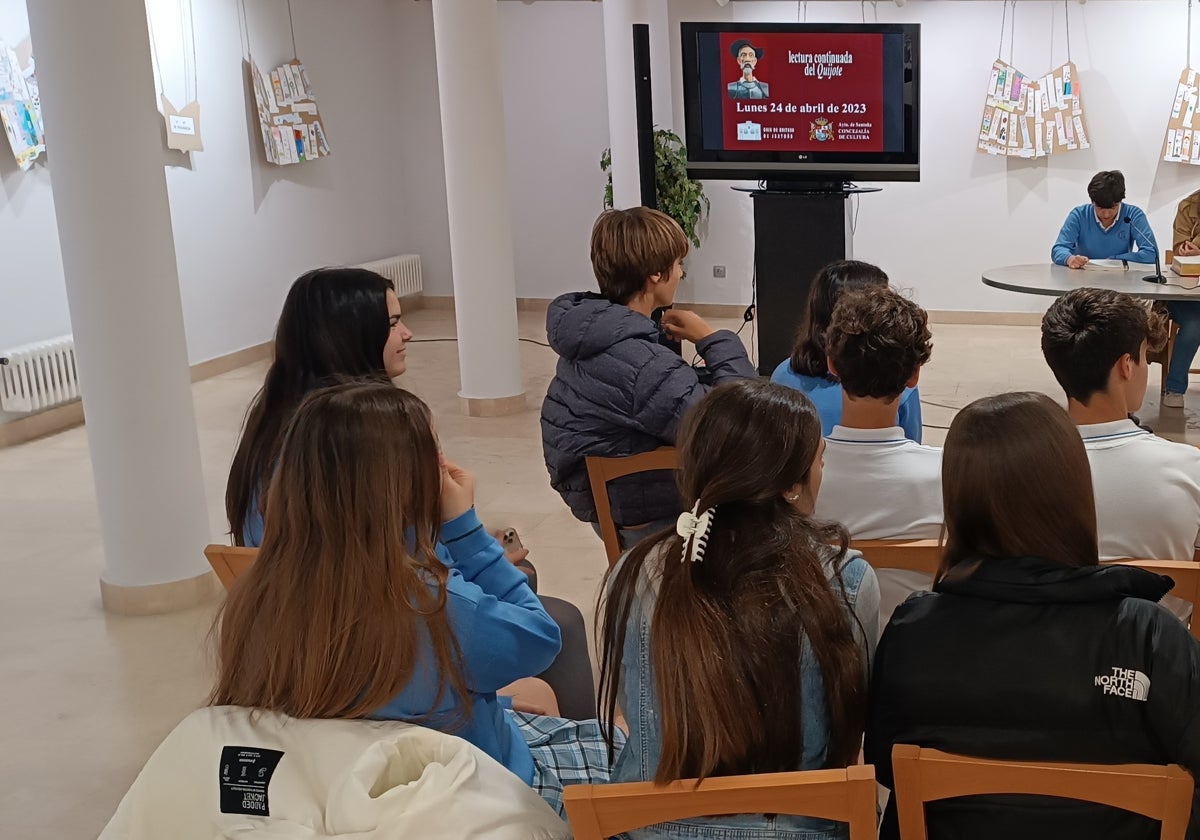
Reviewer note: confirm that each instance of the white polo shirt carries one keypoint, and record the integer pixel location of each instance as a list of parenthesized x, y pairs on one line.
[(882, 486), (1147, 495)]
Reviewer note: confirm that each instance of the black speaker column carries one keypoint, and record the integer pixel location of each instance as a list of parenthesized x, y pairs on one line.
[(644, 100)]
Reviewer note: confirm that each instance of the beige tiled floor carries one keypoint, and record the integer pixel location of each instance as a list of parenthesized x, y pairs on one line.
[(86, 696)]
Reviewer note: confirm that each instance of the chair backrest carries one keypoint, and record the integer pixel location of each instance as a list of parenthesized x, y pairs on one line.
[(603, 470), (229, 561), (599, 811), (1186, 574), (911, 555), (1161, 793)]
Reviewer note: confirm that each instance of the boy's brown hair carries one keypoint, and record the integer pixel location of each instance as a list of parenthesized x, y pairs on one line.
[(877, 339), (630, 245), (1086, 331)]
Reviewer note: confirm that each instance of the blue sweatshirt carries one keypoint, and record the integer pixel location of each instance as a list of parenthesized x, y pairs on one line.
[(1081, 234), (826, 395), (504, 634)]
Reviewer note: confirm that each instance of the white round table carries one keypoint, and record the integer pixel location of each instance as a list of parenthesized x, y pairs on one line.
[(1055, 280)]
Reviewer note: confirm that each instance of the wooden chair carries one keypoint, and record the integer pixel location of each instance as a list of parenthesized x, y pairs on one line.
[(229, 561), (599, 811), (1161, 793), (603, 470), (1186, 574), (911, 555)]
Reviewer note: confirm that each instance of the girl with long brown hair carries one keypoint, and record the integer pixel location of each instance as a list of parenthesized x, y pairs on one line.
[(336, 324), (350, 612), (739, 641), (1027, 648)]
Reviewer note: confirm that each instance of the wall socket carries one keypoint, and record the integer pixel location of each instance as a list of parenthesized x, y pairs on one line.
[(718, 271)]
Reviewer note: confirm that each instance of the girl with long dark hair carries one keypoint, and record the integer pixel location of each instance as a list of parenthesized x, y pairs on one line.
[(739, 641), (807, 369), (340, 323)]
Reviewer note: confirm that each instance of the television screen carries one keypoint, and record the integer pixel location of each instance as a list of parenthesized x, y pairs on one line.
[(802, 102)]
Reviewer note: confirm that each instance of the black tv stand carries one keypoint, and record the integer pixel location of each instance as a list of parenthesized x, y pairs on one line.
[(799, 227)]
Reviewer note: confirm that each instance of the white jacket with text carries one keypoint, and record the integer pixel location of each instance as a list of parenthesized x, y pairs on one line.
[(228, 773)]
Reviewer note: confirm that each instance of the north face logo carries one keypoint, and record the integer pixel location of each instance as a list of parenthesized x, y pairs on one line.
[(1125, 682)]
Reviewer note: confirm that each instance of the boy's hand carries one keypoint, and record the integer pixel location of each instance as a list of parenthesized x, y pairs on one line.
[(683, 325)]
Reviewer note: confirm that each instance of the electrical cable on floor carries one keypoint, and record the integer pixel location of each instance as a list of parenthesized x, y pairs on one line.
[(426, 340)]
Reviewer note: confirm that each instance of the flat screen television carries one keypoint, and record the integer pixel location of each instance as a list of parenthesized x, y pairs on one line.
[(797, 102)]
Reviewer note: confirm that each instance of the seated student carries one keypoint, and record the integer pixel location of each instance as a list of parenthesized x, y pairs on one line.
[(616, 390), (1147, 488), (1185, 313), (350, 611), (339, 323), (877, 483), (1027, 648), (1105, 229), (740, 642), (807, 370)]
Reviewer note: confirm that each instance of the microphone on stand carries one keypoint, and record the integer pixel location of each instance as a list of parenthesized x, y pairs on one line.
[(1157, 276)]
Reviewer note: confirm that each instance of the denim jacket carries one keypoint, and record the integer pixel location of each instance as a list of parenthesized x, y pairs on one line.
[(638, 761)]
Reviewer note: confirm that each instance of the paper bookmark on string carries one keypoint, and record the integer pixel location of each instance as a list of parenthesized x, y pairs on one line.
[(21, 105), (1182, 143), (292, 131), (1032, 118)]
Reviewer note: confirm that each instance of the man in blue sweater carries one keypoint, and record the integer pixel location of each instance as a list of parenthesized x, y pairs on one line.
[(1105, 229), (1108, 228)]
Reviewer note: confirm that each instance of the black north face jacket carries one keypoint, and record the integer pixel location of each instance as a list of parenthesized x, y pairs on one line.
[(1027, 659)]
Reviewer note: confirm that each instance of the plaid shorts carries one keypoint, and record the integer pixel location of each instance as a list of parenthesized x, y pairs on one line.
[(565, 752)]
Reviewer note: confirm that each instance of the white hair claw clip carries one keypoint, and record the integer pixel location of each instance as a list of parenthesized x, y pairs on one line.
[(694, 528)]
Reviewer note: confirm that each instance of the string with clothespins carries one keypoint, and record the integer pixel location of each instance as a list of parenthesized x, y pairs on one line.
[(1189, 35)]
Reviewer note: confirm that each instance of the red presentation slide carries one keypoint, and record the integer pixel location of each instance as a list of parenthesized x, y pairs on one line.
[(803, 92)]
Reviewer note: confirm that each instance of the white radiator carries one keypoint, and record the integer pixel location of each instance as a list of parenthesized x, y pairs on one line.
[(404, 271), (39, 375)]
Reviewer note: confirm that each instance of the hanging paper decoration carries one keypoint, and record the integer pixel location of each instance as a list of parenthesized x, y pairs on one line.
[(1183, 128), (21, 107), (1027, 117), (1032, 118), (287, 114)]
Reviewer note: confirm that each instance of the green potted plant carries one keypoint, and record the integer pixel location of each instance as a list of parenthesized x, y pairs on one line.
[(679, 196)]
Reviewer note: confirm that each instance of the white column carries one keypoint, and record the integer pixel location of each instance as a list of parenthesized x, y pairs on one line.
[(619, 18), (105, 152), (466, 39)]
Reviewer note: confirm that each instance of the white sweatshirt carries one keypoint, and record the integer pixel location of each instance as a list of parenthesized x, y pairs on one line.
[(227, 773)]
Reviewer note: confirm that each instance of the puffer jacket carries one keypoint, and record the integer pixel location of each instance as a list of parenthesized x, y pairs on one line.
[(617, 391), (1025, 659), (242, 774)]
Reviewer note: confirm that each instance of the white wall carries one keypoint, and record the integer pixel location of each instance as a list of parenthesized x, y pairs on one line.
[(972, 211), (245, 229), (556, 126)]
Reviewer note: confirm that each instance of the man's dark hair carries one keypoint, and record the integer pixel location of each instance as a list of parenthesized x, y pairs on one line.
[(1086, 331), (877, 340), (1107, 189)]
